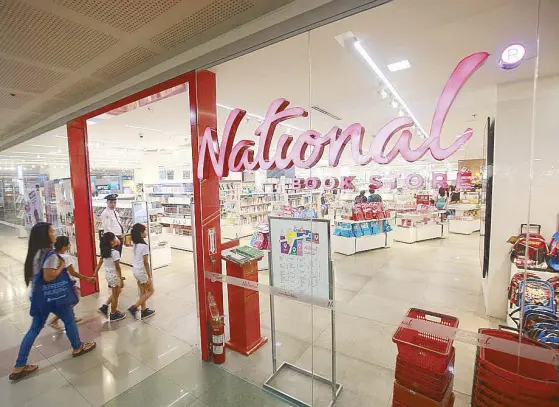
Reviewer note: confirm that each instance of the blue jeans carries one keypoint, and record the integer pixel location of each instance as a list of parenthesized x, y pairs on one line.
[(66, 314)]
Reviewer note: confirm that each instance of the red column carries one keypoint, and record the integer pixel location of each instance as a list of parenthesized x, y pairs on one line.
[(83, 210), (202, 93)]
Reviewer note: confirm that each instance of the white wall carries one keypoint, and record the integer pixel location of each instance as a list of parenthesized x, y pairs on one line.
[(517, 197)]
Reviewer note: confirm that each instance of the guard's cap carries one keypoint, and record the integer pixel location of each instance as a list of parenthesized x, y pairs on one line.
[(111, 197)]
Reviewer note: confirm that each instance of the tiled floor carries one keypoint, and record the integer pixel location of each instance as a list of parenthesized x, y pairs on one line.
[(157, 362)]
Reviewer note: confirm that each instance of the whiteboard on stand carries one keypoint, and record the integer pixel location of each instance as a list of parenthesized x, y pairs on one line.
[(300, 256)]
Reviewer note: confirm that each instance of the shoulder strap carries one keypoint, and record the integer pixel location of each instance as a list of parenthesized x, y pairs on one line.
[(49, 253)]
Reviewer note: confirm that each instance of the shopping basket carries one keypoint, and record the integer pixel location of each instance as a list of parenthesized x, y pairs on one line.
[(438, 377), (428, 351), (506, 391), (403, 396), (532, 378)]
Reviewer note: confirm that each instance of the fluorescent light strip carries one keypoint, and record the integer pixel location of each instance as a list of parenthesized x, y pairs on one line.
[(388, 85)]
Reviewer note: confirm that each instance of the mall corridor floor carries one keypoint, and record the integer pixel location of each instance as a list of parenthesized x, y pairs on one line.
[(157, 362)]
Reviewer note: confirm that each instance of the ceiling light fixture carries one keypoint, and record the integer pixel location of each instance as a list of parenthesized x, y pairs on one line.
[(399, 66), (367, 58), (383, 93)]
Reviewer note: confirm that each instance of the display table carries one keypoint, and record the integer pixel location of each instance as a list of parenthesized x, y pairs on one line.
[(461, 224), (352, 245), (160, 256), (180, 242), (416, 234)]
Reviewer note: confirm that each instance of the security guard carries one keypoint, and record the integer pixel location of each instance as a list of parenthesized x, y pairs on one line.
[(110, 219)]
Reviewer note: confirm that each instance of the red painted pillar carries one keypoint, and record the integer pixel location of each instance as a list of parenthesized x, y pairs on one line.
[(202, 93), (83, 209)]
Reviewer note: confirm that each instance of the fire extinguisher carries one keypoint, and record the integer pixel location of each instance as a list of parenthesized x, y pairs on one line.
[(217, 328)]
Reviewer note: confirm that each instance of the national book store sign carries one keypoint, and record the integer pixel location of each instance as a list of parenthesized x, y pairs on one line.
[(307, 150)]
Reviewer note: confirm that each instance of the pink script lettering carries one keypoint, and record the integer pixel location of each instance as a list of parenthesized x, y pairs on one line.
[(309, 147)]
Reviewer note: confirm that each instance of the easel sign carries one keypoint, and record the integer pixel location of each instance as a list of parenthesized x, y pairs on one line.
[(300, 264)]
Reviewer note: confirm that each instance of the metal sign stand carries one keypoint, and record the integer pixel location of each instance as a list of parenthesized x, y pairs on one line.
[(336, 387)]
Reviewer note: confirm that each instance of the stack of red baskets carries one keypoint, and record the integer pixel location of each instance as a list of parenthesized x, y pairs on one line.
[(508, 380), (424, 365)]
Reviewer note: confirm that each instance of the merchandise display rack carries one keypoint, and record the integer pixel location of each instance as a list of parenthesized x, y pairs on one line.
[(544, 274), (352, 245), (417, 229), (466, 219), (171, 201)]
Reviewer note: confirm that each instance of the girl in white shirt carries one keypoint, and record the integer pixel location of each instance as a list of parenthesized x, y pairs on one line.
[(142, 271), (61, 247), (113, 274)]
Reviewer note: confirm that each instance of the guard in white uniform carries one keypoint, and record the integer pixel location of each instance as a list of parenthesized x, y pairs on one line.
[(110, 219)]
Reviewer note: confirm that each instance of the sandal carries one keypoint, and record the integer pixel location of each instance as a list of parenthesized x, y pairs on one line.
[(27, 370), (85, 348)]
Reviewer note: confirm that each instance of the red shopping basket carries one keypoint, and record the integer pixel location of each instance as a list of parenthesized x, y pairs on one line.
[(425, 349), (423, 381), (532, 378), (410, 398), (492, 384)]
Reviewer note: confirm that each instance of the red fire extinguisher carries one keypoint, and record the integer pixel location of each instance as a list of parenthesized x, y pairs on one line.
[(217, 328)]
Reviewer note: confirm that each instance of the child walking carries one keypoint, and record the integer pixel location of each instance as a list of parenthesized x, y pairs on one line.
[(142, 271), (61, 247), (113, 274)]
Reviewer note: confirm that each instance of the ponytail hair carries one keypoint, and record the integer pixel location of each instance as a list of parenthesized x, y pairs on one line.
[(105, 244)]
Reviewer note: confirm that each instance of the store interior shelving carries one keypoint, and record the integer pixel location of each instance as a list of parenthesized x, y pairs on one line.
[(352, 245), (411, 227), (174, 202)]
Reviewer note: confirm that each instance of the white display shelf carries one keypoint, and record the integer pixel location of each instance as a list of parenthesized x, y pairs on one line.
[(463, 207), (180, 242), (160, 256), (352, 245), (175, 221), (351, 222), (464, 227), (417, 234)]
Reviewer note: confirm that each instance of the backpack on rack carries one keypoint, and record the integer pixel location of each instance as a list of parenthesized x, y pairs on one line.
[(514, 286), (553, 254), (529, 249)]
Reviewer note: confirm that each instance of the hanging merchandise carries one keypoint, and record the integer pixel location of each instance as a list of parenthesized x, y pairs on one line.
[(553, 255), (261, 237)]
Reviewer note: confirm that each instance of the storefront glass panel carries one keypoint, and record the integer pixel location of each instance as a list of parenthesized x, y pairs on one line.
[(425, 109)]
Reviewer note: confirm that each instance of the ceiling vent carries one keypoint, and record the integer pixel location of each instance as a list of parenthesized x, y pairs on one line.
[(325, 112)]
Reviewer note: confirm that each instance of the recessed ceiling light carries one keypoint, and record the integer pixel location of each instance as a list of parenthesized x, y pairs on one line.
[(399, 66)]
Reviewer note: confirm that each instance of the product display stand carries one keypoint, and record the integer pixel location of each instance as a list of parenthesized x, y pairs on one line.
[(416, 233), (306, 273), (352, 245), (543, 274), (462, 223), (244, 306)]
